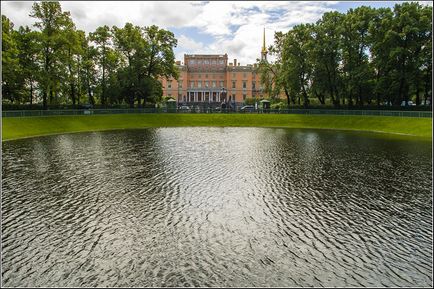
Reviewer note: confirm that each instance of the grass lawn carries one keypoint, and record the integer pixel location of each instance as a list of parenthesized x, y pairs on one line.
[(15, 127)]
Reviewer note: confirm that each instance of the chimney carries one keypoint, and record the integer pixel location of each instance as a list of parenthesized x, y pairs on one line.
[(235, 62)]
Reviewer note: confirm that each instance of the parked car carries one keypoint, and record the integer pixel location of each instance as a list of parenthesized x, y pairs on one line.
[(247, 108), (409, 103), (184, 108), (427, 102)]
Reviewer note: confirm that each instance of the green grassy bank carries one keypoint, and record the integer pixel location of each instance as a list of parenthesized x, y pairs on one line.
[(15, 128)]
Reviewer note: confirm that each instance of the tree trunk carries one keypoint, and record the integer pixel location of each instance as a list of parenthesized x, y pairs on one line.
[(305, 97), (131, 101), (44, 99), (71, 81), (103, 98), (427, 86), (320, 97), (417, 91), (78, 82), (360, 98), (139, 100), (89, 91), (51, 96), (73, 93), (31, 91), (330, 85), (287, 96), (400, 97), (377, 93)]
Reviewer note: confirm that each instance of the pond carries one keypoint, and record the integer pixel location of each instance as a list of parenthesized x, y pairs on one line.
[(225, 207)]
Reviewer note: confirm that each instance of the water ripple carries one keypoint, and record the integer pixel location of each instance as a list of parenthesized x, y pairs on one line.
[(209, 207)]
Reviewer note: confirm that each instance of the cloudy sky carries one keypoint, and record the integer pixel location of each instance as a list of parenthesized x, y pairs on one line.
[(201, 27)]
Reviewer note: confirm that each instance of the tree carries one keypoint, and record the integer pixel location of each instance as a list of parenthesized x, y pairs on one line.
[(71, 54), (159, 61), (271, 72), (52, 22), (102, 37), (128, 41), (326, 58), (87, 70), (380, 48), (356, 68), (11, 81), (297, 67), (28, 51), (149, 55), (407, 35)]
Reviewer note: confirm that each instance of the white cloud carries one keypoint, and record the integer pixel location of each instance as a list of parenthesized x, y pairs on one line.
[(232, 27)]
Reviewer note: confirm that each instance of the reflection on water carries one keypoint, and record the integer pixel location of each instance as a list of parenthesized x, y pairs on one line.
[(216, 207)]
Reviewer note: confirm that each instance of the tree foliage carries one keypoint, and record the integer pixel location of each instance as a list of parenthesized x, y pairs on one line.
[(366, 56), (58, 64)]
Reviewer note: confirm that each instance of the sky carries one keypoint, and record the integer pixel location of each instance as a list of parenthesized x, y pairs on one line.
[(201, 27)]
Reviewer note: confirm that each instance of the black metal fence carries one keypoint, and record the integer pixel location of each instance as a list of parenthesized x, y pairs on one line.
[(32, 113)]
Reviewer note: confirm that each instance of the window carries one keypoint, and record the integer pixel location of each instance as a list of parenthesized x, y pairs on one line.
[(233, 84), (206, 61), (221, 83), (244, 97), (169, 94), (244, 84), (206, 75), (207, 83), (253, 85), (191, 84), (180, 84), (244, 75), (214, 62), (169, 84), (192, 61), (200, 75), (221, 61), (199, 62), (233, 75), (214, 84), (199, 84)]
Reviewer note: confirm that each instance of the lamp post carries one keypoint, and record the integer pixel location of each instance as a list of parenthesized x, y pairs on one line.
[(223, 93), (223, 96)]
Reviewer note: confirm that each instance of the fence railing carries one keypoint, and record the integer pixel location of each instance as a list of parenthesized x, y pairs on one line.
[(31, 113)]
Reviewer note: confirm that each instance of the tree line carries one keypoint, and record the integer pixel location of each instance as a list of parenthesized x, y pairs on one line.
[(59, 64), (363, 57)]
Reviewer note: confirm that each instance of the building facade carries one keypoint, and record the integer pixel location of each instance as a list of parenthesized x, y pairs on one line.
[(212, 79)]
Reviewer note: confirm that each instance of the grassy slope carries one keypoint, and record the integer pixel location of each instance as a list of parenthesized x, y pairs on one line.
[(14, 128)]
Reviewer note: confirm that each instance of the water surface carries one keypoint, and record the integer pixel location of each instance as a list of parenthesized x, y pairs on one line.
[(216, 207)]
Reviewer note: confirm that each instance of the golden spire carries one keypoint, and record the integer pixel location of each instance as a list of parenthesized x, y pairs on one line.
[(264, 49)]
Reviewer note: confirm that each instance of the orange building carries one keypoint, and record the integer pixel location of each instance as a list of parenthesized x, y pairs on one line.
[(209, 78)]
